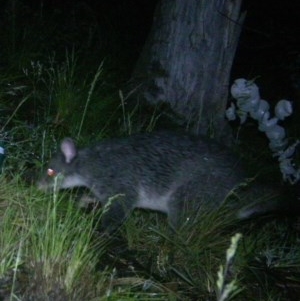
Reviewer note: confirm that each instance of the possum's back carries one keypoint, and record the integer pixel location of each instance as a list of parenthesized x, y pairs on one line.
[(165, 161)]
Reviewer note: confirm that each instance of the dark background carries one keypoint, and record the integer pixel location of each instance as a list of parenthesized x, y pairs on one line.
[(269, 47)]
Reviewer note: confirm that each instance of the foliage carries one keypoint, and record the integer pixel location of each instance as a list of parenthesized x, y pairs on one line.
[(47, 245)]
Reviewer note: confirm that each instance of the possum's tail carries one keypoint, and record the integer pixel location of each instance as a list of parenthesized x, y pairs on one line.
[(286, 202)]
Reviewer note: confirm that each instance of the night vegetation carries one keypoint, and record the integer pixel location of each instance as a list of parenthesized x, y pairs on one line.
[(64, 72)]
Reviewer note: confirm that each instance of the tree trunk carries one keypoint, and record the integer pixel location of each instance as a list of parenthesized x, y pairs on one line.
[(187, 59)]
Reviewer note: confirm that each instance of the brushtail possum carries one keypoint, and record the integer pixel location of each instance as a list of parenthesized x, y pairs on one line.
[(158, 171)]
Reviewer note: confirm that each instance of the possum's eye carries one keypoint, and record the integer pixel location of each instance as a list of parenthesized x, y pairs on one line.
[(51, 172)]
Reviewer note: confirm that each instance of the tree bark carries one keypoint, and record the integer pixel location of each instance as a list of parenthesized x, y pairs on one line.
[(187, 59)]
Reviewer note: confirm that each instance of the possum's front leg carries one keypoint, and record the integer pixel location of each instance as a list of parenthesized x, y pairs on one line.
[(115, 212)]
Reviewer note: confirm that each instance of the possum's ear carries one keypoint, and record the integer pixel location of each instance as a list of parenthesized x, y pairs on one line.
[(69, 150)]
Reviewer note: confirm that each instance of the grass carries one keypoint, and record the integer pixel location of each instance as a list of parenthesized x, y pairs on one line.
[(228, 290), (49, 247)]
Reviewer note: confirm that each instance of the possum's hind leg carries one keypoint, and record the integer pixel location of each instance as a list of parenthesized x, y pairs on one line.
[(175, 213)]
